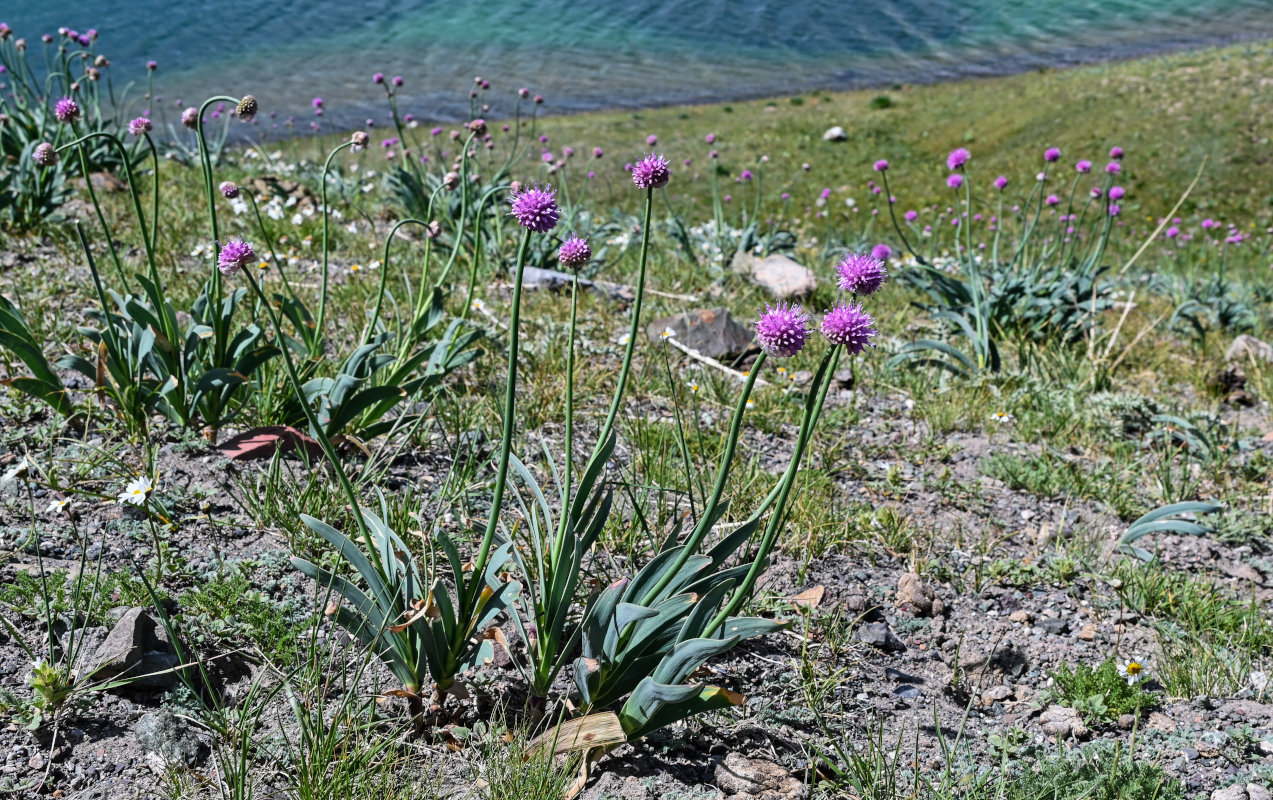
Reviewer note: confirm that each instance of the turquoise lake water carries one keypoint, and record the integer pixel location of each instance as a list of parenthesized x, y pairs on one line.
[(606, 53)]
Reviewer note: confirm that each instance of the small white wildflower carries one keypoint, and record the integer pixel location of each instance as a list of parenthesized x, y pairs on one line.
[(1132, 671), (19, 470), (479, 304), (352, 227), (668, 333), (297, 219), (58, 505), (137, 491), (239, 205)]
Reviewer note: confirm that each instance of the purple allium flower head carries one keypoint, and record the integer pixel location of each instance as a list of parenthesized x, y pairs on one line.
[(45, 154), (236, 255), (84, 40), (597, 152), (651, 140), (66, 110), (651, 172), (1083, 167), (435, 132), (955, 181), (1172, 232), (1052, 200), (359, 139), (957, 158), (882, 251), (574, 253), (1051, 155), (379, 77), (523, 93), (539, 99), (190, 117), (1113, 168), (317, 102), (745, 175), (911, 215), (230, 189), (397, 80), (477, 126), (47, 38), (1208, 224), (536, 209), (861, 274), (1097, 191), (710, 138), (782, 330), (152, 65), (881, 166), (1116, 153), (849, 325), (1001, 182), (140, 126), (1114, 209), (247, 108), (1116, 193)]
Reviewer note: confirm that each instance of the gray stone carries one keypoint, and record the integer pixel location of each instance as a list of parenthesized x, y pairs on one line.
[(908, 691), (1063, 723), (713, 332), (1247, 347), (1256, 791), (1054, 626), (171, 738), (920, 598), (835, 134), (137, 650), (740, 778), (1235, 792), (878, 635), (777, 274), (995, 694)]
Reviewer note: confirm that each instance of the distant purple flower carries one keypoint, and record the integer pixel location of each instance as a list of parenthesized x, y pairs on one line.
[(1001, 182), (651, 172), (745, 175), (523, 93), (957, 158), (955, 181), (912, 215), (1208, 224), (1083, 167), (1116, 193), (536, 209), (190, 117), (1114, 209), (1113, 168), (849, 325), (317, 102), (379, 77), (826, 193), (247, 108), (66, 110), (782, 330), (710, 138), (1116, 153), (140, 126), (881, 166), (152, 65), (1096, 191), (597, 152), (44, 154), (435, 132), (861, 274), (651, 140), (1051, 155), (882, 252), (1052, 200), (1172, 232), (229, 189), (574, 253), (397, 80), (236, 255), (539, 99)]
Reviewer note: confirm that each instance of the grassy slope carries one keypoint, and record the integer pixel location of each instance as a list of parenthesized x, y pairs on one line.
[(1168, 112)]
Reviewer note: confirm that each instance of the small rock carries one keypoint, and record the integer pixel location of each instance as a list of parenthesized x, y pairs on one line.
[(1265, 748), (1248, 347), (743, 778), (136, 648), (167, 736), (1063, 723), (1088, 632), (878, 635), (1190, 753), (778, 275), (995, 694), (908, 691), (1020, 615), (1054, 626), (835, 134), (1256, 791), (1242, 571), (1235, 792), (920, 598), (844, 378), (1161, 722), (713, 332), (1126, 721)]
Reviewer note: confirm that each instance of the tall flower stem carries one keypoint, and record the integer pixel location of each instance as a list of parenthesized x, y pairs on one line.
[(892, 215), (322, 297), (634, 330)]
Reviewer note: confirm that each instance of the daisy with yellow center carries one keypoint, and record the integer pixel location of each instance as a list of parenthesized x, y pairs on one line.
[(136, 492), (668, 333), (1132, 671)]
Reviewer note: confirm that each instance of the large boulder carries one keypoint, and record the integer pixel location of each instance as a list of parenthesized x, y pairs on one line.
[(713, 332), (778, 275)]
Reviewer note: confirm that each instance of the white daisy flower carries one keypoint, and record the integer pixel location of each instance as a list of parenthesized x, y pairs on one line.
[(58, 505), (137, 491), (668, 333), (479, 304), (19, 470), (1131, 671), (297, 219)]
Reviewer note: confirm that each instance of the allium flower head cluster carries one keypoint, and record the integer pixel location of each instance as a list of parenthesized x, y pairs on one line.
[(1001, 182), (236, 255), (847, 324), (190, 117), (140, 126), (782, 330), (957, 158), (45, 154), (574, 253), (651, 172), (1052, 155), (66, 110), (229, 189), (359, 139), (247, 108), (861, 274), (1083, 167), (536, 209)]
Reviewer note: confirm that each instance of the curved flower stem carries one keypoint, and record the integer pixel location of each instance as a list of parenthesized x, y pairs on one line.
[(315, 427), (384, 271), (633, 331), (563, 523), (722, 477), (269, 243), (220, 335), (473, 589), (101, 218), (154, 213), (813, 409), (322, 297), (892, 215)]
